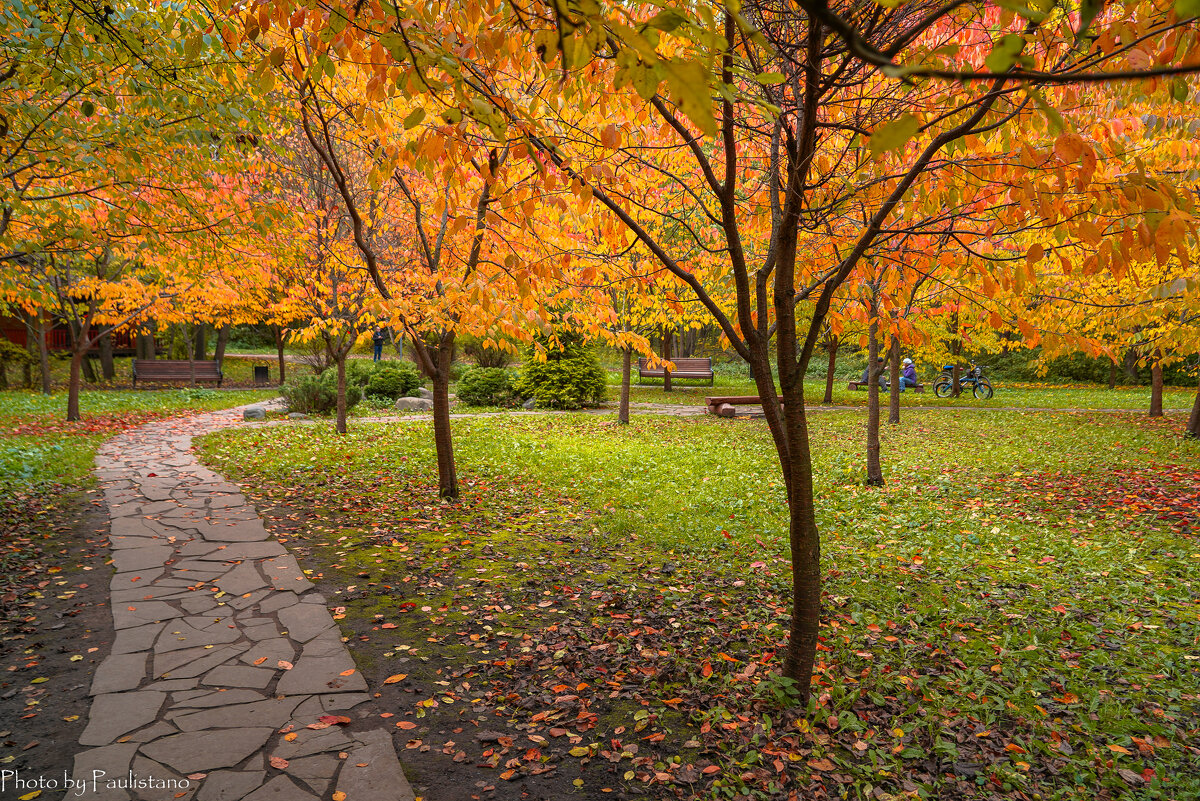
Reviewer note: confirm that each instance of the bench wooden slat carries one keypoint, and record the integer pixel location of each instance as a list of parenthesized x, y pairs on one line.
[(691, 367), (861, 386), (176, 370)]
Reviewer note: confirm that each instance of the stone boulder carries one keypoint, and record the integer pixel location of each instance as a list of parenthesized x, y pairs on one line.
[(413, 404), (427, 394), (254, 413), (297, 416)]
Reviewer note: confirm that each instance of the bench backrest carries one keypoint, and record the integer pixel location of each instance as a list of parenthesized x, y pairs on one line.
[(174, 367), (681, 365)]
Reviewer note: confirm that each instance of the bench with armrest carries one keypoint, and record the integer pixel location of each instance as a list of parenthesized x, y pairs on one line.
[(862, 385), (176, 371), (684, 368)]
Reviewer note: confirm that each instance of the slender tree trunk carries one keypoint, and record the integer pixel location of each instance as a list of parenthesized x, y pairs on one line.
[(626, 368), (89, 370), (191, 357), (894, 380), (30, 349), (1112, 375), (442, 438), (200, 342), (1193, 424), (1130, 365), (341, 392), (107, 368), (874, 470), (3, 375), (279, 350), (222, 343), (43, 355), (831, 345), (955, 351), (666, 354), (77, 357), (805, 541), (1156, 385)]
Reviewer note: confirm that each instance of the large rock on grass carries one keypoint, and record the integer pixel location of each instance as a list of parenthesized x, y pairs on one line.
[(413, 404)]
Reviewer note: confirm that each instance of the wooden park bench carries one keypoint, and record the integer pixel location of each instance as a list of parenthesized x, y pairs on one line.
[(176, 371), (862, 385), (684, 368)]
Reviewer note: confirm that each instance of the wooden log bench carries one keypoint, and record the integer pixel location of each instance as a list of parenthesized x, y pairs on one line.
[(726, 405), (862, 385), (684, 368), (176, 371)]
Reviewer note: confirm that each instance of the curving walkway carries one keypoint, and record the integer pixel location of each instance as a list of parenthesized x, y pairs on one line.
[(225, 659)]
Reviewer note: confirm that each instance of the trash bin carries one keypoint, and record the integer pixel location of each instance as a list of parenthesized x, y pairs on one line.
[(262, 374)]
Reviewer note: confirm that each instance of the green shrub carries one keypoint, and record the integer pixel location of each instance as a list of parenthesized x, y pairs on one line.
[(571, 376), (362, 373), (486, 386), (387, 383), (483, 355), (312, 394)]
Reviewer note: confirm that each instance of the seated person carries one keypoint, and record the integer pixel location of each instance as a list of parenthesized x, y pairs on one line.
[(866, 375), (908, 374)]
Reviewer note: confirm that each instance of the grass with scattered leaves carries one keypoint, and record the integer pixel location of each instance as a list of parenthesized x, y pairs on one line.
[(1013, 615), (38, 446)]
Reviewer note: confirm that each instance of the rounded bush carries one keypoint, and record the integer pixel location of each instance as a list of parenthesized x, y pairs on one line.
[(387, 383), (361, 373), (486, 386), (571, 376), (312, 394)]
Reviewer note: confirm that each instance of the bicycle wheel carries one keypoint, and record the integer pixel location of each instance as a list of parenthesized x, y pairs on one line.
[(943, 389), (983, 390)]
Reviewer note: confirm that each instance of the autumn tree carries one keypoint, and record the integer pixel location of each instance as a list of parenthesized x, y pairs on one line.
[(784, 117)]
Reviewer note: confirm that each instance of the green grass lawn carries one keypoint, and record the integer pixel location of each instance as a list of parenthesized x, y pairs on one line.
[(1014, 613), (38, 446), (1081, 396)]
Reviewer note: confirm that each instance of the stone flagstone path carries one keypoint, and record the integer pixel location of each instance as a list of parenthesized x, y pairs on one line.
[(224, 653)]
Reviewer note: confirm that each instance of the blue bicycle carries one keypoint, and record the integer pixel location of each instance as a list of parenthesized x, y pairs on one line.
[(981, 388)]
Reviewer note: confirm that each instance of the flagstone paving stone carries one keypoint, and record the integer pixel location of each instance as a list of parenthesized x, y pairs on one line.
[(210, 612)]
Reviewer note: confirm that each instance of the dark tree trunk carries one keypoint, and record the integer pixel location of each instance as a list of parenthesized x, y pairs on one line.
[(89, 370), (222, 343), (200, 342), (955, 351), (1112, 375), (31, 349), (1193, 423), (805, 541), (191, 358), (894, 380), (3, 375), (666, 354), (341, 392), (1156, 385), (146, 348), (1130, 365), (626, 368), (831, 345), (279, 350), (874, 471), (443, 441), (43, 355), (107, 368), (73, 382)]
